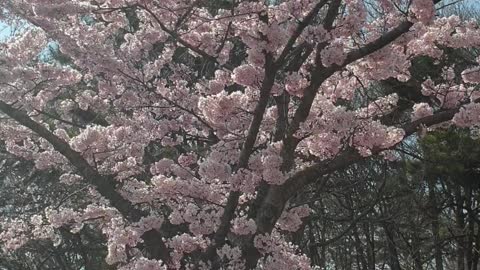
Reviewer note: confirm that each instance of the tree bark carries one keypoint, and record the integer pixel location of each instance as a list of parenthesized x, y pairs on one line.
[(460, 224), (432, 198), (392, 254), (362, 262)]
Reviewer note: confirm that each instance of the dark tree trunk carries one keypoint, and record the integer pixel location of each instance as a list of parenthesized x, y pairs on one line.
[(476, 254), (392, 254), (362, 262), (460, 223), (370, 236), (435, 225), (417, 256)]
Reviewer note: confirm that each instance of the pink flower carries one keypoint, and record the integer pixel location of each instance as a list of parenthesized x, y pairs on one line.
[(295, 84), (421, 110), (468, 115), (247, 75), (334, 53), (471, 75)]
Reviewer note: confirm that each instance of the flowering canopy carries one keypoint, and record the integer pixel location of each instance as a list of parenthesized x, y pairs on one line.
[(194, 122)]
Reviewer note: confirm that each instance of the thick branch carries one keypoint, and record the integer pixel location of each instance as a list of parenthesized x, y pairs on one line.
[(322, 74), (279, 195), (298, 31), (104, 185), (175, 36), (232, 201)]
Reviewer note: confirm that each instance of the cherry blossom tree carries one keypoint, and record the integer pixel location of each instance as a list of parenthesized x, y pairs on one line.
[(194, 123)]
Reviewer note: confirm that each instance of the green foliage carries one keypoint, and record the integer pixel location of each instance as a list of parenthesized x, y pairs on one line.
[(453, 153)]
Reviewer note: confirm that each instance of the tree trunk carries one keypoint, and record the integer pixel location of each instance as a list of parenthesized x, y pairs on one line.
[(392, 254), (435, 225), (362, 262), (460, 220), (370, 236), (476, 254)]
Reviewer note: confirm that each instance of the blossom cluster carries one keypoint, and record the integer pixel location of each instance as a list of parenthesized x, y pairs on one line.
[(185, 107)]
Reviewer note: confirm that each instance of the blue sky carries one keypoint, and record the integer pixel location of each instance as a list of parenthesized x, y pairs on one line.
[(473, 2), (4, 30)]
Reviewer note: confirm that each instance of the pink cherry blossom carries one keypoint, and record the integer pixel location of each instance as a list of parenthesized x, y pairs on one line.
[(202, 125)]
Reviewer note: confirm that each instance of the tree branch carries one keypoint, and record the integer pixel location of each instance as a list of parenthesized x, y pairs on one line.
[(298, 31), (258, 113), (104, 185), (279, 195)]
